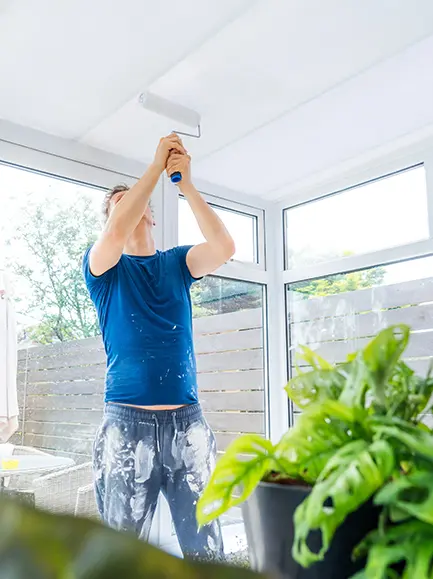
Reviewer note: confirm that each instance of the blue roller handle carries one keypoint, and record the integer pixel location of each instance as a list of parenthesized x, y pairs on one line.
[(176, 177)]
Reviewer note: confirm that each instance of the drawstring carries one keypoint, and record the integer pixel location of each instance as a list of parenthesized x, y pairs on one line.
[(155, 418), (158, 447), (174, 426)]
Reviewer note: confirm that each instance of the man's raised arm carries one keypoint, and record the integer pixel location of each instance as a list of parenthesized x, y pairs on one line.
[(128, 208), (219, 247)]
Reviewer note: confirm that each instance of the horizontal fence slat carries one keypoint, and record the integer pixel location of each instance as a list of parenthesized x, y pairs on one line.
[(236, 421), (224, 439), (74, 359), (74, 402), (420, 367), (382, 297), (418, 317), (246, 319), (55, 443), (95, 372), (78, 387), (242, 340), (234, 380), (221, 401), (242, 360), (65, 416), (420, 345), (81, 431), (64, 348)]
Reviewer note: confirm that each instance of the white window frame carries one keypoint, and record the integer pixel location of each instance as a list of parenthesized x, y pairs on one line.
[(90, 174), (417, 155), (385, 256), (248, 211)]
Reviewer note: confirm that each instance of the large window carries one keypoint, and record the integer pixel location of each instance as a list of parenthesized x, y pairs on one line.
[(228, 327), (337, 314), (380, 214), (45, 226), (229, 335), (242, 226)]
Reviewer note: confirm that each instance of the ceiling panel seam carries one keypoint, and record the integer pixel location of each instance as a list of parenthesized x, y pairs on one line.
[(241, 12), (310, 100)]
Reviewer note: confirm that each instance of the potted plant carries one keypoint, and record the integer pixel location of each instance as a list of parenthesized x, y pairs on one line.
[(359, 459)]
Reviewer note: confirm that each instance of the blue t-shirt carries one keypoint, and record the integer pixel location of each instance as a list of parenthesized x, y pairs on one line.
[(145, 314)]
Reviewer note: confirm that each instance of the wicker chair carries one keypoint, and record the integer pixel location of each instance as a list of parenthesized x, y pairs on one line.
[(57, 491), (85, 505)]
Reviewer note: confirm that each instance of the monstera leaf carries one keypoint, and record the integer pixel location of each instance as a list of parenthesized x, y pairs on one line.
[(349, 479), (36, 545), (412, 494), (407, 394), (404, 551), (239, 470), (316, 386), (380, 357), (410, 441), (319, 432), (323, 382)]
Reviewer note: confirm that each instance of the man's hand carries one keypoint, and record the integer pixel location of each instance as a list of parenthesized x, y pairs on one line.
[(167, 145), (182, 163)]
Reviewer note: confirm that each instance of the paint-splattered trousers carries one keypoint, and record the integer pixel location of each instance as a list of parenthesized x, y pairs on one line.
[(138, 454)]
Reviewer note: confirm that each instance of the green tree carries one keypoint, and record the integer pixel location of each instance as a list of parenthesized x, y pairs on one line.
[(50, 242), (215, 295), (341, 282)]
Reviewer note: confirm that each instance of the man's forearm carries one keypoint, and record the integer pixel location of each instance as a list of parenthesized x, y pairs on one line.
[(211, 226), (127, 213)]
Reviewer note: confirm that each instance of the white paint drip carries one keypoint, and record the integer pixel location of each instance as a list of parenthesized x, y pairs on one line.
[(194, 451), (138, 504), (144, 457)]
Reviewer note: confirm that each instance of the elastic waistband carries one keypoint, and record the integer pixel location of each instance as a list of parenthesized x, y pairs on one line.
[(190, 412)]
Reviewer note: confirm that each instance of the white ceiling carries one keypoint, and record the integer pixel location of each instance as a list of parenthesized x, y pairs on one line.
[(285, 88)]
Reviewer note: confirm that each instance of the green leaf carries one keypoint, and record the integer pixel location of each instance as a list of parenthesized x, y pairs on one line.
[(410, 543), (312, 359), (413, 440), (356, 384), (381, 356), (412, 494), (315, 386), (408, 395), (321, 430), (239, 470), (37, 545), (349, 479)]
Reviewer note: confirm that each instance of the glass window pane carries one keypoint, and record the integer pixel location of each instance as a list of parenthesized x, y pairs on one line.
[(338, 314), (228, 325), (241, 226), (380, 214), (45, 226)]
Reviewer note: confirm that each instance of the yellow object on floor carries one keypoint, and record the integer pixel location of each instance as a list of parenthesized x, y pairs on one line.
[(9, 463)]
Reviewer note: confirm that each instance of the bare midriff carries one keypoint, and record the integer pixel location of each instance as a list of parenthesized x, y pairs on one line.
[(150, 407)]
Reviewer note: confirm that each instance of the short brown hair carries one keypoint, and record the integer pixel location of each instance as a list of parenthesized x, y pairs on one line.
[(109, 195)]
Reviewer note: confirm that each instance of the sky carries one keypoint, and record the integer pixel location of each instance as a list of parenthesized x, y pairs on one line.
[(382, 214)]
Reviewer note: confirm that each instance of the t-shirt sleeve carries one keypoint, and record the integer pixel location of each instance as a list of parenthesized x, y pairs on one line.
[(93, 281), (181, 253)]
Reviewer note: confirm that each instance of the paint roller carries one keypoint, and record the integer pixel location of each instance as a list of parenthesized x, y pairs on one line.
[(176, 112)]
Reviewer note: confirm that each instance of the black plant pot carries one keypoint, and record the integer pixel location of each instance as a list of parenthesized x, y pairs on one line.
[(268, 516)]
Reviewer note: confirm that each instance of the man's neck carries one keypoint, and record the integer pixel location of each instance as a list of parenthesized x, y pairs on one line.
[(140, 243)]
